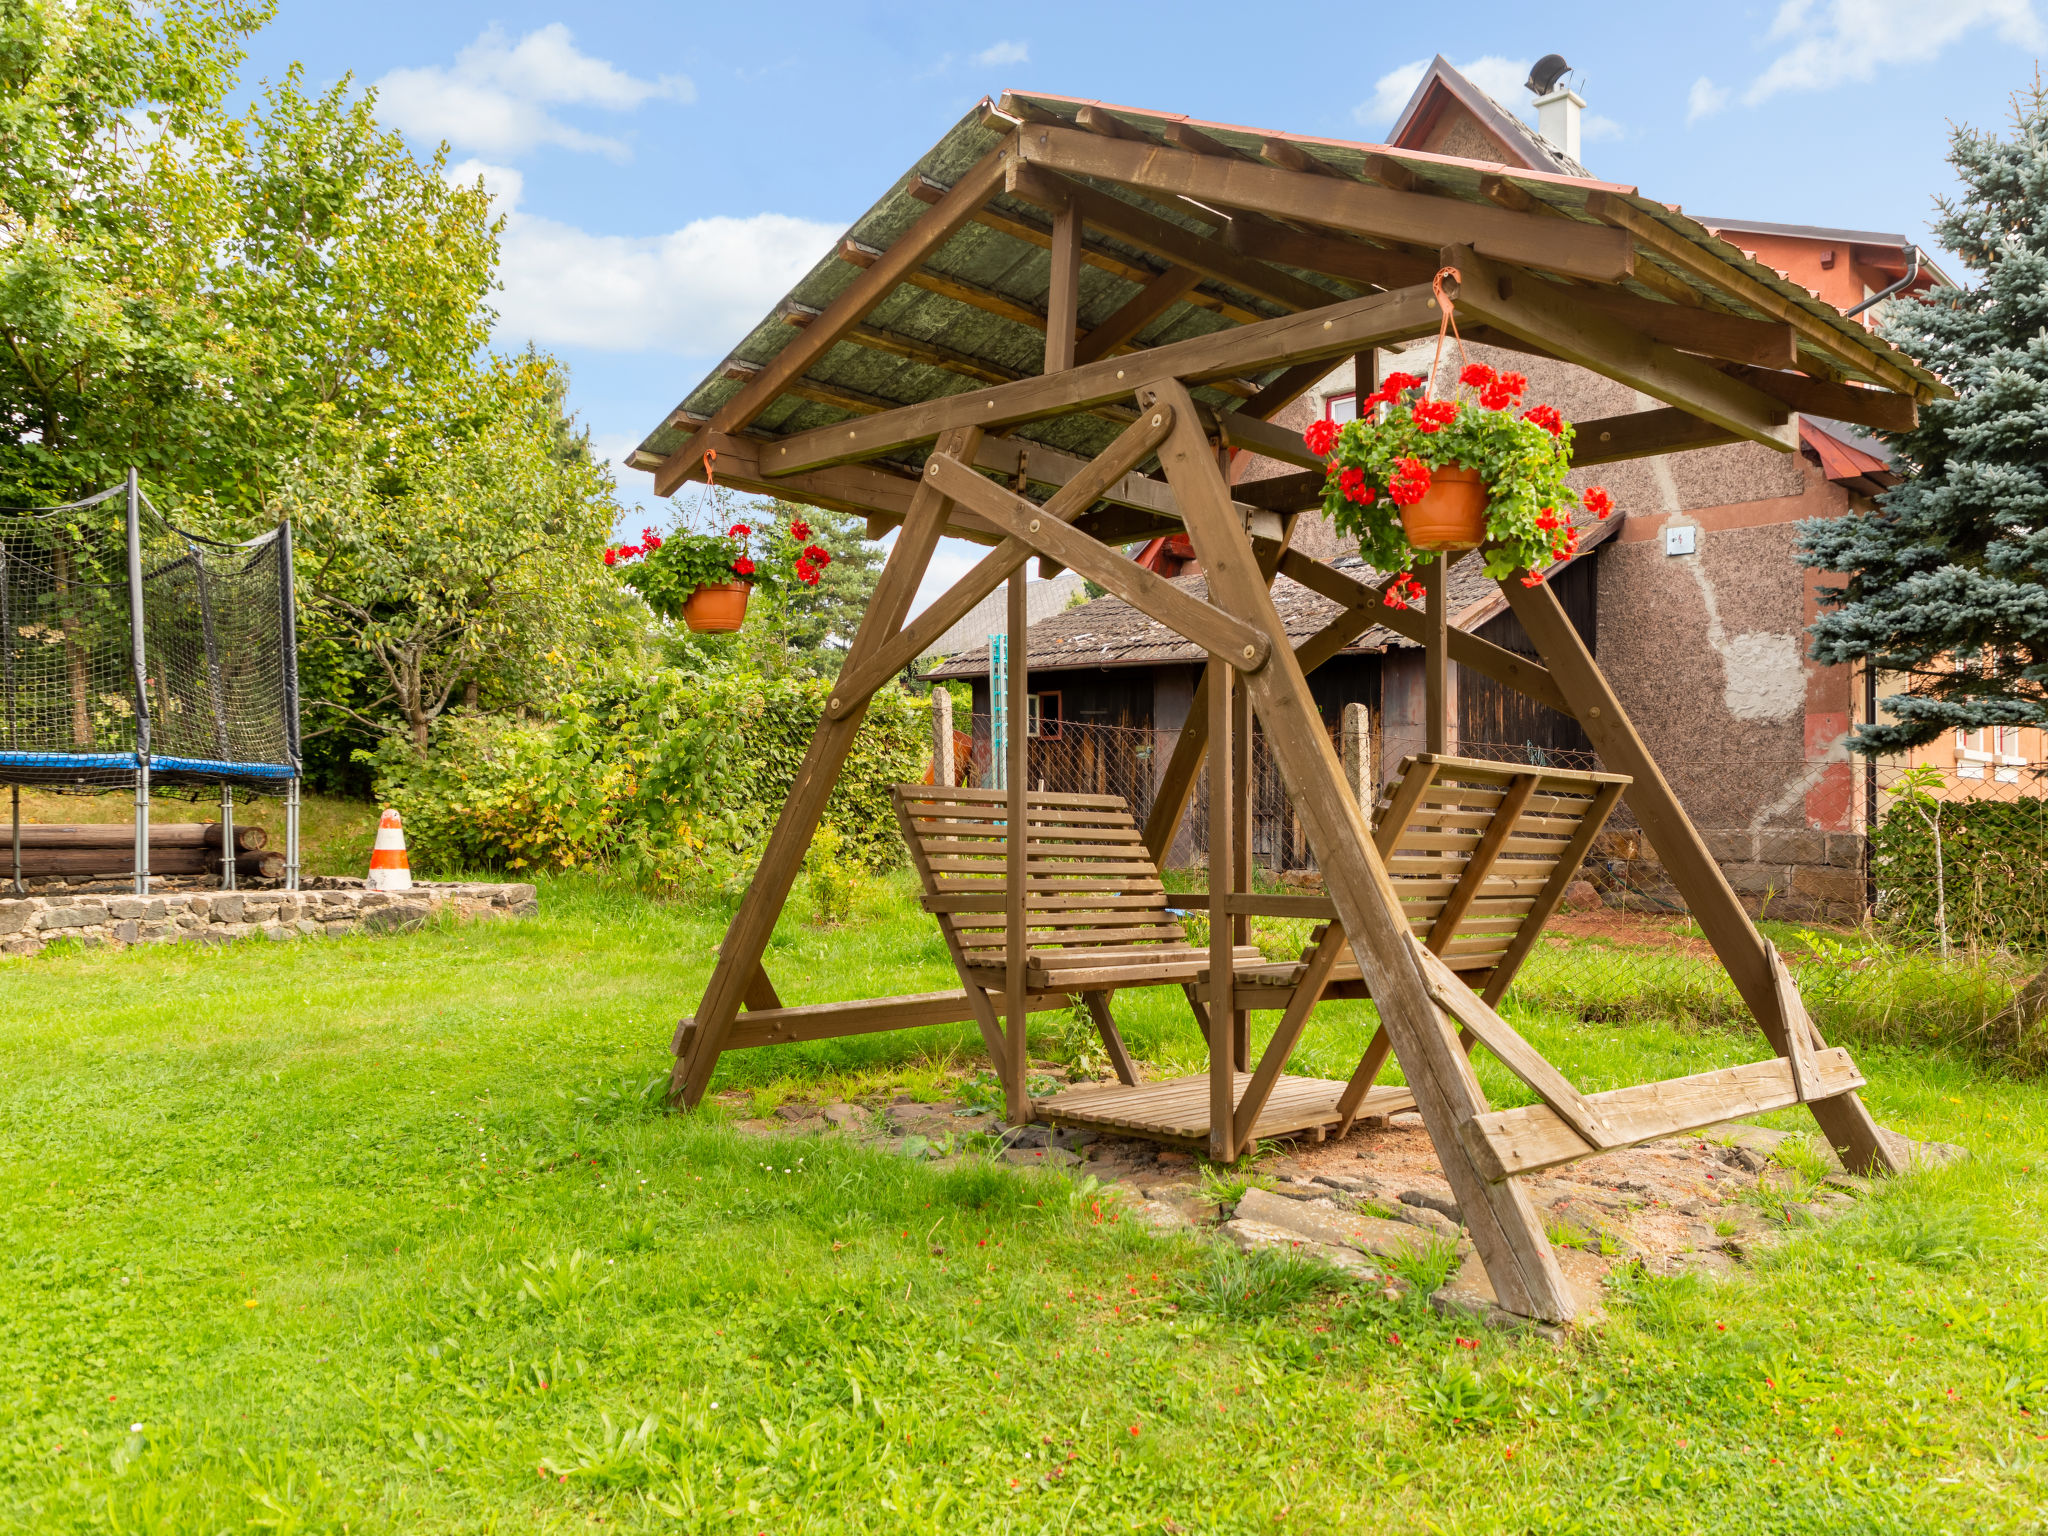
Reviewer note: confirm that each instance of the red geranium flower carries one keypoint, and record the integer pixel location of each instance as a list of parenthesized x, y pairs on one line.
[(738, 531), (743, 566), (1478, 375), (1547, 518), (1410, 481), (1321, 437), (1597, 501), (818, 555), (1533, 579), (1434, 415), (1394, 383), (1546, 417), (652, 545), (1403, 590), (1513, 383), (1352, 483), (647, 536), (800, 530), (1496, 396), (611, 556)]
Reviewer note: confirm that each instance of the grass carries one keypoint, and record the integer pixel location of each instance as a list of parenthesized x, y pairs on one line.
[(394, 1234)]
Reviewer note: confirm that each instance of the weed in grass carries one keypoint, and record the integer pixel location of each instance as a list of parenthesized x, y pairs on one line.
[(1908, 1226), (1457, 1398), (1225, 1183), (1427, 1267), (1803, 1155), (1726, 1226), (1239, 1287)]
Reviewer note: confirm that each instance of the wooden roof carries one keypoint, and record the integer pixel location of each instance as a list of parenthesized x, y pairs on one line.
[(1310, 221)]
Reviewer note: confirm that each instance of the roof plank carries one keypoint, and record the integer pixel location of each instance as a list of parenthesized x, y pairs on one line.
[(1561, 245)]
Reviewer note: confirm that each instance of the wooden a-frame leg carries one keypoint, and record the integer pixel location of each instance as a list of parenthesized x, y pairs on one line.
[(1503, 1225), (1097, 1004), (1844, 1119), (747, 936)]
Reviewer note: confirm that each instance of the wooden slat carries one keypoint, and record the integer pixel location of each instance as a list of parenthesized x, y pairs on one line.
[(833, 1021), (1177, 1110), (1511, 1141)]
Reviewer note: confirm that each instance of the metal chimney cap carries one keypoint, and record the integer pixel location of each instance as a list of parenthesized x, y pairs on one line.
[(1548, 71)]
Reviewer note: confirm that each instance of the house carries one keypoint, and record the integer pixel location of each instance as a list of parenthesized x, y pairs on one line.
[(1691, 598)]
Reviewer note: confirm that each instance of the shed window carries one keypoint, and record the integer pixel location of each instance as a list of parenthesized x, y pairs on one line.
[(1042, 714)]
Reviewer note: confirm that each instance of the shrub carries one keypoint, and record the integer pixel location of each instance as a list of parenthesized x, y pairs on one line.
[(1994, 869), (673, 779)]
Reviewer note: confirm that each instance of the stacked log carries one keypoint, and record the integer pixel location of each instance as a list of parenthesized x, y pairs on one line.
[(175, 848)]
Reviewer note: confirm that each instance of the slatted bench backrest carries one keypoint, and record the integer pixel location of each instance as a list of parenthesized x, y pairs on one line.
[(1090, 886), (1481, 854)]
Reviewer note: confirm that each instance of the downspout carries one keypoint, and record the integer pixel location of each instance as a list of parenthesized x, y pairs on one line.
[(1912, 273)]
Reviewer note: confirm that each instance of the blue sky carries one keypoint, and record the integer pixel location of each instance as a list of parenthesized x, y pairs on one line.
[(669, 170)]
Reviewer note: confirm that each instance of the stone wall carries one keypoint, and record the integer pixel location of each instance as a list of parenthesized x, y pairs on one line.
[(1801, 874), (30, 923)]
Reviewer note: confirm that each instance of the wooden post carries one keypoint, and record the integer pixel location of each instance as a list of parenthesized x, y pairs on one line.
[(1503, 1224), (1063, 301), (1436, 650), (942, 736), (1844, 1119), (739, 957), (1240, 855), (1222, 943), (1357, 735), (1016, 1094)]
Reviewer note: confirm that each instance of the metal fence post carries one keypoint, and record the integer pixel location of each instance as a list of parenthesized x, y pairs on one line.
[(139, 655)]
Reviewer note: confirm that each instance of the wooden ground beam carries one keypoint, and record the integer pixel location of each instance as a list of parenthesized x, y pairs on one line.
[(865, 1016), (1746, 954), (747, 936), (1506, 1142), (1503, 1225)]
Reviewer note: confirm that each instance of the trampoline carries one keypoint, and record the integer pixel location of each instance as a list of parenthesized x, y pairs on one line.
[(135, 654)]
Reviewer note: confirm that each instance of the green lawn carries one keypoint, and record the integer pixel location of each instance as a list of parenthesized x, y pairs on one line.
[(388, 1234)]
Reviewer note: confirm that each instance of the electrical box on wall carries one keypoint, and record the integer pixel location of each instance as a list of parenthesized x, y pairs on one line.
[(1681, 539)]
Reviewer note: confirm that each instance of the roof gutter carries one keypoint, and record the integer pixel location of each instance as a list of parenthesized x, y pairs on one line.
[(1912, 275)]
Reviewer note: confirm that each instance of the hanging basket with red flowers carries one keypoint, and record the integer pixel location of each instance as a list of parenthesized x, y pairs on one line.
[(705, 579), (1416, 474)]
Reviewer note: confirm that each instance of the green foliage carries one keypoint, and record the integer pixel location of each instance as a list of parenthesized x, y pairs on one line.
[(672, 778), (1244, 1286), (1374, 466), (1948, 574), (1994, 857), (832, 876), (1427, 1266), (457, 554)]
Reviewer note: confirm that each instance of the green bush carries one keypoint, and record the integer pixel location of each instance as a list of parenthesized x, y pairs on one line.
[(1994, 857), (673, 779)]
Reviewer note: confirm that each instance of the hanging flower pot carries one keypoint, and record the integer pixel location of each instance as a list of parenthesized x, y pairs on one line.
[(705, 579), (717, 608), (1451, 514), (1413, 474)]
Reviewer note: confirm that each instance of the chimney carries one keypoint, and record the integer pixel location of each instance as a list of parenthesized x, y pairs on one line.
[(1557, 105), (1557, 119)]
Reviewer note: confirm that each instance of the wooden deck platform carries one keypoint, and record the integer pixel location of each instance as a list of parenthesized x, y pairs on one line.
[(1177, 1109)]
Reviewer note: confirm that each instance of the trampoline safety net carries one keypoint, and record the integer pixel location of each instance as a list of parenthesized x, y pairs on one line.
[(214, 699)]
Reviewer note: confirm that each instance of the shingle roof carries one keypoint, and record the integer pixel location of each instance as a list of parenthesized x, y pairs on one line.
[(1109, 632)]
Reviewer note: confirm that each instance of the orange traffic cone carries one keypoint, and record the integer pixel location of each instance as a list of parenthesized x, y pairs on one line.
[(389, 870)]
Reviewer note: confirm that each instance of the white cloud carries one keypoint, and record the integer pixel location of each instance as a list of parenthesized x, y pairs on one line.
[(1500, 78), (1593, 128), (695, 290), (1005, 52), (497, 95), (1833, 41), (1705, 99)]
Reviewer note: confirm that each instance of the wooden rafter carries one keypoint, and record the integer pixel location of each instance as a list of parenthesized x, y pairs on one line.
[(1559, 245), (1335, 331), (931, 231), (1547, 315)]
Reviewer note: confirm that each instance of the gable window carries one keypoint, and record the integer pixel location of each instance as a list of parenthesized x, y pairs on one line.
[(1042, 714), (1342, 408)]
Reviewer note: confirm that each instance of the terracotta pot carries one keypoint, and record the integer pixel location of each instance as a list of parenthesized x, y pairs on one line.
[(1451, 514), (717, 610)]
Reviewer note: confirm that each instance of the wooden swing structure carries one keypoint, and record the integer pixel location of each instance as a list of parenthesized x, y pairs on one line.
[(1434, 899)]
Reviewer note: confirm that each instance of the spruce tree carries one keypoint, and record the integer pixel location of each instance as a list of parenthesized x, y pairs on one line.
[(1948, 573)]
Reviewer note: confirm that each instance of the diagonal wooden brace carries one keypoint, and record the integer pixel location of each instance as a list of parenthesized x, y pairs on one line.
[(1150, 593)]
